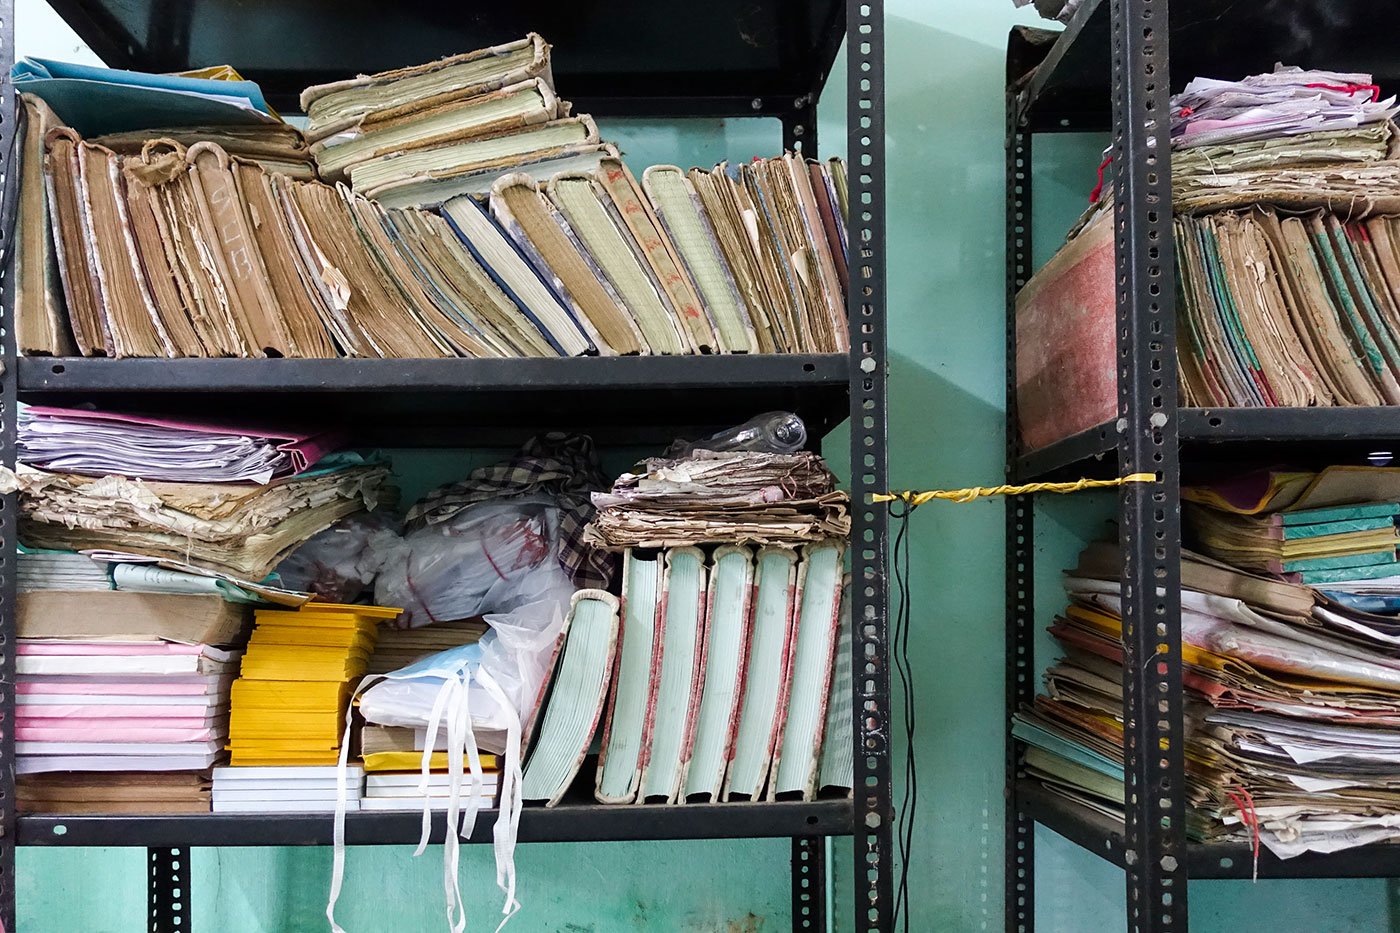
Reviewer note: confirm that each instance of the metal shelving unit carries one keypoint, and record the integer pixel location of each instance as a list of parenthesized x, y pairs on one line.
[(652, 58), (1108, 71)]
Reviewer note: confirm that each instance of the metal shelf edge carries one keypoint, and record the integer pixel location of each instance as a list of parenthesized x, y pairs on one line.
[(565, 823), (57, 374)]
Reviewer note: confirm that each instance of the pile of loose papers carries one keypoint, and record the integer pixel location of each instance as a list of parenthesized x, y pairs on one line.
[(734, 496), (1292, 691)]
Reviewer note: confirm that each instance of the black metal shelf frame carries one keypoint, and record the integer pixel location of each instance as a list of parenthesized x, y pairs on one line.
[(1145, 437), (1150, 433), (431, 402)]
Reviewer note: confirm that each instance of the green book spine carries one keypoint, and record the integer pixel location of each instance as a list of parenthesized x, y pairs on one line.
[(1337, 512), (1343, 562), (1378, 572), (1345, 526)]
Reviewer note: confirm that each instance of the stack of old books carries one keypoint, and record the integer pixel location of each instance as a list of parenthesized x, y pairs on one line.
[(542, 242), (421, 135), (1284, 187), (1290, 623), (400, 647)]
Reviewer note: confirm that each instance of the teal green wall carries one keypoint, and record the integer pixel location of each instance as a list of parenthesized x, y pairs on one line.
[(945, 66)]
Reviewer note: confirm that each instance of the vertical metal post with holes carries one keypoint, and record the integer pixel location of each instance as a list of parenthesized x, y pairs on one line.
[(168, 890), (870, 644), (1149, 514), (1019, 854), (809, 884), (9, 506)]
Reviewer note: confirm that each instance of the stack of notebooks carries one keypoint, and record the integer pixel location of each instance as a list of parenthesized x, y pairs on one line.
[(1292, 691), (542, 243), (1288, 270), (309, 789), (418, 136), (731, 496), (400, 647), (393, 761), (289, 700), (121, 707), (711, 680)]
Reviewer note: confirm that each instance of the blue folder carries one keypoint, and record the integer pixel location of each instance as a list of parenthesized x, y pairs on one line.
[(95, 100)]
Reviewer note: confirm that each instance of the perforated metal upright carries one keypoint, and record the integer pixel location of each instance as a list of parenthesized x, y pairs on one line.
[(9, 203), (1153, 845)]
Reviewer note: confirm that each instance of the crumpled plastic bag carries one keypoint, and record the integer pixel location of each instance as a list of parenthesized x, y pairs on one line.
[(340, 563), (492, 557)]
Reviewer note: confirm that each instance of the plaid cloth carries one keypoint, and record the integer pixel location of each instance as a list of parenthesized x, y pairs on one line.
[(564, 466)]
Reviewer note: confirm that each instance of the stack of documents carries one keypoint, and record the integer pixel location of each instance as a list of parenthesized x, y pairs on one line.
[(145, 793), (240, 529), (1292, 692), (92, 443), (289, 700), (120, 705), (276, 147), (724, 686), (1290, 101), (398, 748), (284, 789), (420, 135), (731, 497), (404, 791), (400, 647), (60, 571)]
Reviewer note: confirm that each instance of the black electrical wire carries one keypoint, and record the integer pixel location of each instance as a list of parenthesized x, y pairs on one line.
[(899, 643)]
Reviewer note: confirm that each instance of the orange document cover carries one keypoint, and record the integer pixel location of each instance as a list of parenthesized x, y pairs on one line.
[(1064, 340)]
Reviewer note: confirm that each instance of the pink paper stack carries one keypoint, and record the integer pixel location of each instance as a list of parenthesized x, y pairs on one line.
[(133, 714)]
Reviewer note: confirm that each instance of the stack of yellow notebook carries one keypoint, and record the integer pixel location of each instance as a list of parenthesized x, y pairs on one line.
[(288, 707)]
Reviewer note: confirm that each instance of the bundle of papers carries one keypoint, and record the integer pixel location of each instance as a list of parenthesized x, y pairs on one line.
[(242, 529), (289, 789), (143, 793), (111, 615), (404, 791), (735, 497), (421, 135), (63, 571), (120, 705), (289, 700), (1283, 310), (1287, 102), (400, 647), (398, 748), (1364, 144), (1292, 691), (92, 443)]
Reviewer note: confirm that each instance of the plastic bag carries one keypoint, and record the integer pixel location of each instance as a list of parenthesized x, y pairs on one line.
[(340, 563), (491, 557), (773, 432)]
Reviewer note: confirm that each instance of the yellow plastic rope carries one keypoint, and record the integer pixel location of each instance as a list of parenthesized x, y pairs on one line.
[(912, 499)]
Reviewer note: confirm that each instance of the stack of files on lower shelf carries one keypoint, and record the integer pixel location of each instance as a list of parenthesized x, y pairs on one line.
[(714, 683), (289, 702), (142, 793), (402, 790), (1292, 699), (120, 705), (398, 748), (284, 789)]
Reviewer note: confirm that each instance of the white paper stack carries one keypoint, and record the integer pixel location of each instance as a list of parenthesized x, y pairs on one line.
[(399, 791), (293, 789)]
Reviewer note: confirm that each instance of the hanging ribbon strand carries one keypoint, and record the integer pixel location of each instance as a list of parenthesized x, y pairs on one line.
[(912, 498)]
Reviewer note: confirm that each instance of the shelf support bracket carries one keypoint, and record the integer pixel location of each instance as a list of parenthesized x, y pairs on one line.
[(168, 890), (1149, 514), (800, 126)]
